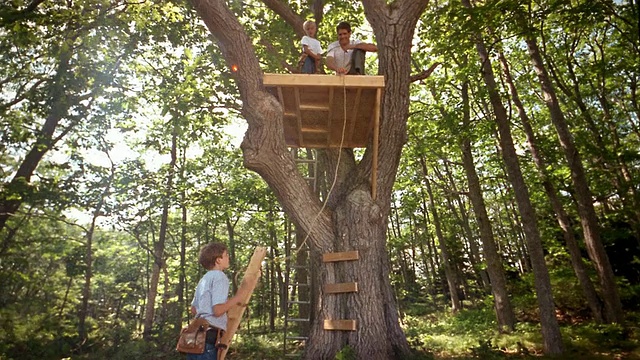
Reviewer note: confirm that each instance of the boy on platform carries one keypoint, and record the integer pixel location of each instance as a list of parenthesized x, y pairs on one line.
[(311, 47)]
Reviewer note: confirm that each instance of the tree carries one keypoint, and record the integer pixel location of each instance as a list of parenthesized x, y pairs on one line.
[(588, 217), (504, 310), (550, 329), (445, 253), (353, 219), (90, 232), (564, 222), (77, 69)]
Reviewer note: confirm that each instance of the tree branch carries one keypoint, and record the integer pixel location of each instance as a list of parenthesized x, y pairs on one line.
[(285, 12), (275, 52), (318, 10), (425, 74)]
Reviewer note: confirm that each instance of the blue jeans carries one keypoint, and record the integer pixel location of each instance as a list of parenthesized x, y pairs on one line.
[(210, 353), (309, 66)]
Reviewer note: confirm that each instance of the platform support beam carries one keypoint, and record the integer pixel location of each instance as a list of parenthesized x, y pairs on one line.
[(376, 135)]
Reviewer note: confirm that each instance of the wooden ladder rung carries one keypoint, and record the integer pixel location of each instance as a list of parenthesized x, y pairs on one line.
[(341, 288), (303, 302), (341, 256), (345, 325)]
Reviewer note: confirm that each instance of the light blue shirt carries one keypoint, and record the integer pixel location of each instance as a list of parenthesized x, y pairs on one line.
[(213, 289)]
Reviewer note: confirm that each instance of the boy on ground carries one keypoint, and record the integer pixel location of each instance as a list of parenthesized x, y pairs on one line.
[(211, 297)]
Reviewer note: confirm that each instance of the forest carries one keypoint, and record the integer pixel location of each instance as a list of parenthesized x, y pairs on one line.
[(506, 220)]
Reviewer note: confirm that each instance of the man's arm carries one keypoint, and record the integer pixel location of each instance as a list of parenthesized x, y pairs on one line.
[(364, 46), (331, 63)]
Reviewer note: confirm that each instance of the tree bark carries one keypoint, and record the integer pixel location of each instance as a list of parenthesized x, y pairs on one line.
[(502, 305)]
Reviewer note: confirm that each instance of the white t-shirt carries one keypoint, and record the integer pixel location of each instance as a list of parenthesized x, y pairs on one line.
[(313, 44), (342, 58)]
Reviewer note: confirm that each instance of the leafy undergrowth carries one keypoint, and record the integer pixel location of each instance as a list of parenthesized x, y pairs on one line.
[(472, 334), (265, 346)]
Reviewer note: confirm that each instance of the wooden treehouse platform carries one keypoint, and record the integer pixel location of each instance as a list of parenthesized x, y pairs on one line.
[(330, 111), (315, 115)]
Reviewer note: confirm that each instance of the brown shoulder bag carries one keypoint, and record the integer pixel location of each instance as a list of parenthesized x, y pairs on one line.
[(193, 337)]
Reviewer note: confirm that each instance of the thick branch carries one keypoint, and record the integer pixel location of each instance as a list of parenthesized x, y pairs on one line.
[(235, 45), (318, 10)]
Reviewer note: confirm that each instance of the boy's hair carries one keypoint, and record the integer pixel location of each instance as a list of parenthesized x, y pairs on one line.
[(210, 253), (306, 24), (343, 25)]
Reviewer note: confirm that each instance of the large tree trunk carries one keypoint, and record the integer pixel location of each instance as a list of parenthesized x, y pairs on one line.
[(550, 329), (353, 220), (588, 217), (502, 304), (373, 306)]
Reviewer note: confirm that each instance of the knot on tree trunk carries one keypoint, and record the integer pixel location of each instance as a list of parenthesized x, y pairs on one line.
[(360, 198), (264, 117)]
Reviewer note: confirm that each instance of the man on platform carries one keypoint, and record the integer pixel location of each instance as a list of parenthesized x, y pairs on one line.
[(346, 56)]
